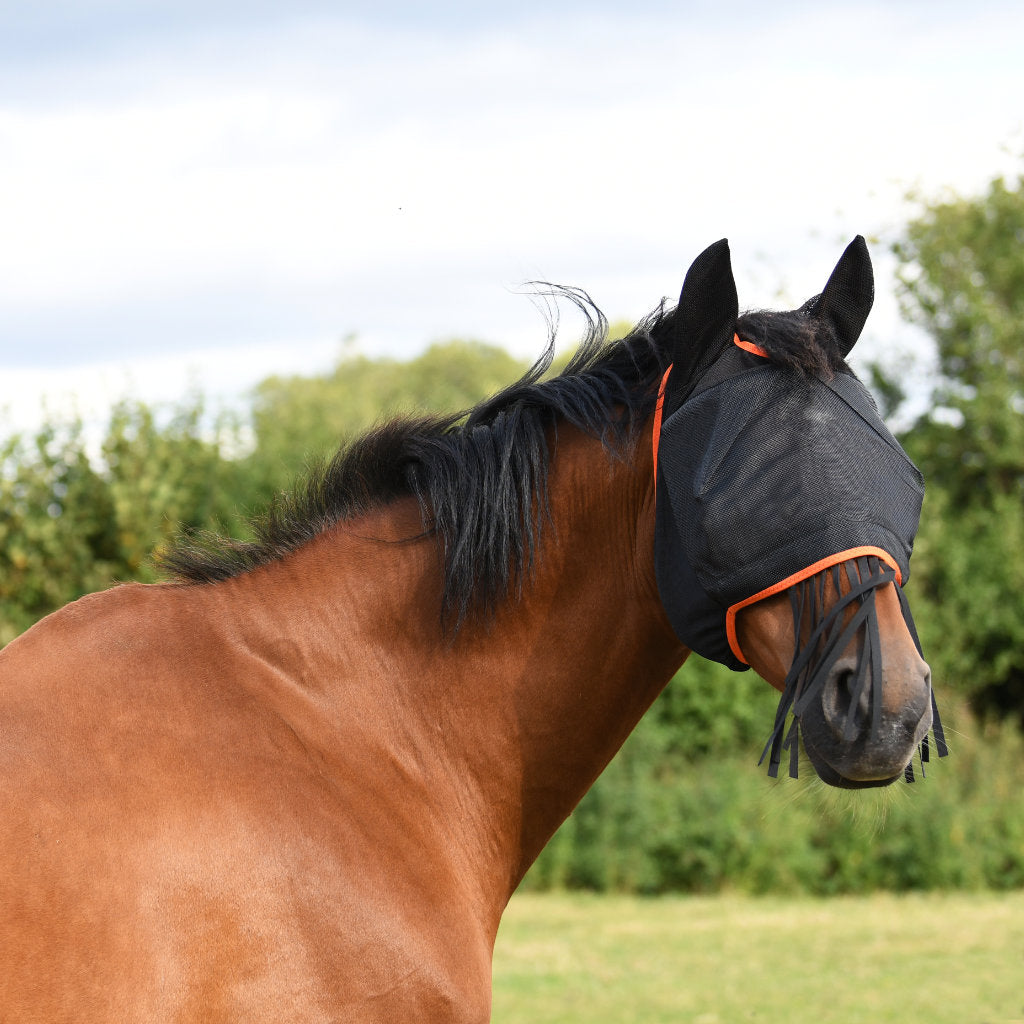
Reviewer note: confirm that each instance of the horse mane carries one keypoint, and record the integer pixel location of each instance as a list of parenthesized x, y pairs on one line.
[(480, 476)]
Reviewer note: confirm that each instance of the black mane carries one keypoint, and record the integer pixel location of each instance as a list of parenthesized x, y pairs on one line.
[(480, 477)]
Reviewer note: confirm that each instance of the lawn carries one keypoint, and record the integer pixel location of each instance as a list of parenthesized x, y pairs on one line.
[(946, 959)]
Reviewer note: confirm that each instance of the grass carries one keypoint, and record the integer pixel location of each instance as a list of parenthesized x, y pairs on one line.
[(947, 959)]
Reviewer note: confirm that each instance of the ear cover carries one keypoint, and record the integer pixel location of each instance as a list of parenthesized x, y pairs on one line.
[(703, 323), (849, 295)]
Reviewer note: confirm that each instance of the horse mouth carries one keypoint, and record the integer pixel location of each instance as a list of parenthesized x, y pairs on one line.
[(831, 777)]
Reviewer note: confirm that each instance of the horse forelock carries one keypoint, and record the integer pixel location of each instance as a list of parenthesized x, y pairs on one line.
[(795, 338), (480, 477)]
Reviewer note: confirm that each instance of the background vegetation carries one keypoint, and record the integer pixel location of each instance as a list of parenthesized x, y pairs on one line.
[(683, 808)]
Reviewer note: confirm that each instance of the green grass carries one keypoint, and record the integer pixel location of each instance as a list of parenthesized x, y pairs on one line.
[(933, 959)]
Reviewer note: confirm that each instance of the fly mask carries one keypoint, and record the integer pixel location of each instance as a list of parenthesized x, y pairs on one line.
[(767, 478)]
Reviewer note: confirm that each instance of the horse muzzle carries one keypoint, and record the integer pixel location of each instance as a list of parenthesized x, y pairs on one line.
[(859, 740)]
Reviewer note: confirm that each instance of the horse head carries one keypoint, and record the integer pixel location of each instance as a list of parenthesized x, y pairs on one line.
[(785, 517)]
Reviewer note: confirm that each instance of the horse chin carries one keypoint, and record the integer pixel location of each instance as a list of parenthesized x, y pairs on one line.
[(831, 777), (876, 755)]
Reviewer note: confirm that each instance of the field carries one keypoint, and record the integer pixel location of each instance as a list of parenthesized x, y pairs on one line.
[(949, 959)]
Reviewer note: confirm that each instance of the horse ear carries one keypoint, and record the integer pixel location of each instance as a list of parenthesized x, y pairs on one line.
[(704, 320), (849, 294)]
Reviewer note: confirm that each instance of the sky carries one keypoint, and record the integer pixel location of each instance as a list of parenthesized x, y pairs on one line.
[(198, 195)]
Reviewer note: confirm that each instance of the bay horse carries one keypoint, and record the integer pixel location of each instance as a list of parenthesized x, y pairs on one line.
[(300, 780)]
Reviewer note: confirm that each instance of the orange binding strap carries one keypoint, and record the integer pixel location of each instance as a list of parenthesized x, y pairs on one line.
[(789, 581), (749, 346), (657, 423)]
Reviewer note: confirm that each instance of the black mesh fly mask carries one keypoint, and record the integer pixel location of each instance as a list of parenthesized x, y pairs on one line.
[(768, 480)]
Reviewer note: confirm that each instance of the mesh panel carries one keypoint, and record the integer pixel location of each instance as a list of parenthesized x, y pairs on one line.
[(769, 473)]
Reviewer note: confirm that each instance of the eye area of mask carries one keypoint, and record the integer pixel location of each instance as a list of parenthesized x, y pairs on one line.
[(764, 477)]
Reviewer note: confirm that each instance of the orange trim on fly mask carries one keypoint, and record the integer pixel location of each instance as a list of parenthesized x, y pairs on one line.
[(789, 581), (747, 346), (657, 423)]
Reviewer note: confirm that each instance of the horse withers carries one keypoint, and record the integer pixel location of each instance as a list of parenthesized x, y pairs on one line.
[(300, 780)]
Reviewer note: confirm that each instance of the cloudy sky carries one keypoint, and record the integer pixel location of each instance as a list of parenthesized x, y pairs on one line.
[(208, 192)]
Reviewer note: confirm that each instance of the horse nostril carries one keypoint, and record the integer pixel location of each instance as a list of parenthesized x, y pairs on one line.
[(846, 710), (847, 701)]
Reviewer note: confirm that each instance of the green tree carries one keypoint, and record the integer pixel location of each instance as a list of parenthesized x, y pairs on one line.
[(297, 419), (961, 278), (164, 474), (57, 535), (71, 524)]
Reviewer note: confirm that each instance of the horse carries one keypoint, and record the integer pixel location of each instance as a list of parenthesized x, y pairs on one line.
[(300, 779)]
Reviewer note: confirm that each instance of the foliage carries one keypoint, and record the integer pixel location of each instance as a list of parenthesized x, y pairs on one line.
[(57, 538), (683, 808), (70, 524), (162, 478), (962, 279), (298, 419), (658, 822)]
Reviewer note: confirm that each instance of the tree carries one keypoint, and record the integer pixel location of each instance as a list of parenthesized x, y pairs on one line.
[(296, 419), (57, 536), (961, 278), (70, 525), (164, 474)]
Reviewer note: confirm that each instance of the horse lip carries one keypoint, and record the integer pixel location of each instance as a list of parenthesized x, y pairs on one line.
[(831, 777)]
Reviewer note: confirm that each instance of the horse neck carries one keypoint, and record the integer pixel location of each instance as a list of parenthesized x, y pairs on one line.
[(511, 721), (589, 647)]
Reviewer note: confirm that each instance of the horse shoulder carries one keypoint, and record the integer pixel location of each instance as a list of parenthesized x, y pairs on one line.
[(179, 842)]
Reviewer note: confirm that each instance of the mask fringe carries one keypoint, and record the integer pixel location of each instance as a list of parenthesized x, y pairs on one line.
[(938, 733), (825, 642)]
